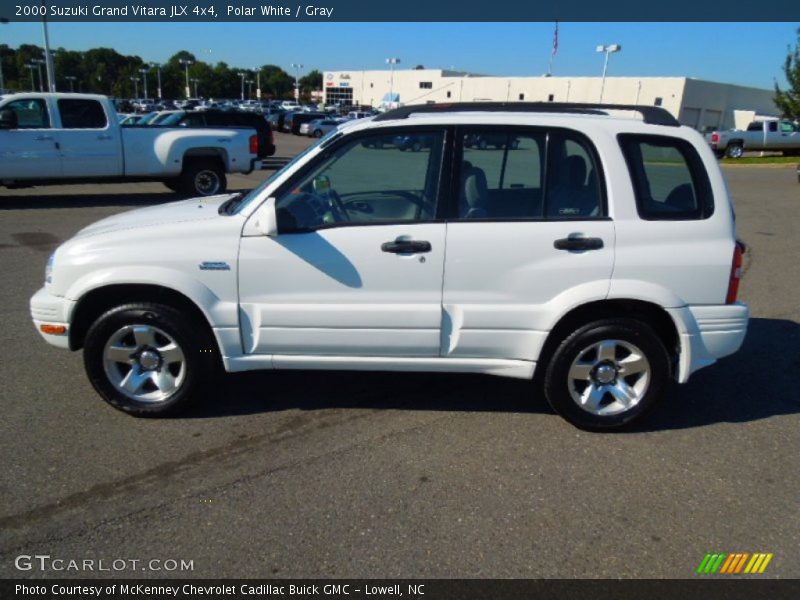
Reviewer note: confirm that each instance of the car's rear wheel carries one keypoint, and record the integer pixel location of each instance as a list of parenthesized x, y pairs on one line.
[(203, 178), (317, 133), (416, 146), (734, 151), (607, 374), (148, 359)]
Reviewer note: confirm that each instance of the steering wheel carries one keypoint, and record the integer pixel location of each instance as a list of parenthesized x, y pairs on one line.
[(338, 210)]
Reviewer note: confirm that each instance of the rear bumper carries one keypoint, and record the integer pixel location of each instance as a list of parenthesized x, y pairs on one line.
[(47, 309), (255, 164), (708, 333)]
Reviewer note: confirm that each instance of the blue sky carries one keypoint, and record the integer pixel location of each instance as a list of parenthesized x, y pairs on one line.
[(742, 53)]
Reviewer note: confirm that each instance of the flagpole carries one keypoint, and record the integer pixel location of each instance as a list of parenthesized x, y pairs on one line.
[(554, 51)]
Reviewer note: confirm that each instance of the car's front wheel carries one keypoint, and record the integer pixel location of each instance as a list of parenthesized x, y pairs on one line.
[(147, 359), (607, 374)]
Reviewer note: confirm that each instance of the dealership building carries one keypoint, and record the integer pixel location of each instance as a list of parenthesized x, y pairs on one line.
[(695, 102)]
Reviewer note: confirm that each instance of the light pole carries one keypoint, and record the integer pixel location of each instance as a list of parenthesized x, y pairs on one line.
[(71, 79), (39, 62), (258, 83), (32, 68), (135, 81), (242, 76), (607, 50), (297, 68), (143, 71), (3, 21), (48, 56), (195, 81), (186, 62), (391, 62), (157, 67), (250, 83)]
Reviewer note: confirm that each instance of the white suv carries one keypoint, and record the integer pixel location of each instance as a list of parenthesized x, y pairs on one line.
[(590, 247)]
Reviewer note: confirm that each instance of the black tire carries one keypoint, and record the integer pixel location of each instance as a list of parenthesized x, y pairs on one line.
[(203, 177), (317, 133), (734, 150), (557, 383), (199, 358)]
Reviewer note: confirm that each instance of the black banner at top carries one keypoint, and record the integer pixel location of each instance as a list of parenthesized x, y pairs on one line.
[(143, 11)]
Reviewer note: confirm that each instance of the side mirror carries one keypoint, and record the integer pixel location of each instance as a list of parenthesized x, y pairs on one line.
[(8, 119), (267, 223)]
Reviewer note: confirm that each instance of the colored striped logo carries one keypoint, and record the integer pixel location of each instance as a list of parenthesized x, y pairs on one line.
[(734, 563)]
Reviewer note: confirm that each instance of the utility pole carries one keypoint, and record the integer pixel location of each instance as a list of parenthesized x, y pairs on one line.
[(48, 56), (297, 67), (186, 62), (157, 67), (143, 71), (242, 76)]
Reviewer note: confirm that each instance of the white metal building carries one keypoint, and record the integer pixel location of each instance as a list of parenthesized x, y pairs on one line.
[(695, 102)]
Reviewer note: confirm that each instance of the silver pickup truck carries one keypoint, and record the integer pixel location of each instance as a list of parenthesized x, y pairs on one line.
[(771, 135)]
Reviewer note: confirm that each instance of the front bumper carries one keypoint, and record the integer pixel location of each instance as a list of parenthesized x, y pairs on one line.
[(49, 310), (708, 333)]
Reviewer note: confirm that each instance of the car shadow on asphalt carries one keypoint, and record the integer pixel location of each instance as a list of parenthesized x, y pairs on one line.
[(755, 383)]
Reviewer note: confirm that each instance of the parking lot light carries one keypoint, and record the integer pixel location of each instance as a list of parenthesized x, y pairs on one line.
[(143, 71), (242, 75), (186, 62), (391, 62), (71, 79), (297, 67), (606, 49), (157, 67)]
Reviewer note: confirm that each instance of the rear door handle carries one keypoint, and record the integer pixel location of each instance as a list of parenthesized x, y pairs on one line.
[(43, 138), (104, 137), (406, 246), (578, 243)]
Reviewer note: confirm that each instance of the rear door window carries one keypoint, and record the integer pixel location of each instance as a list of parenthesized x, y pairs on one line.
[(82, 114)]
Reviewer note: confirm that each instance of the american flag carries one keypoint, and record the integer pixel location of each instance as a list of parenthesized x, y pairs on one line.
[(555, 40)]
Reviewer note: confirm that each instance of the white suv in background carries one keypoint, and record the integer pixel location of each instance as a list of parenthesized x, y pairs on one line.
[(593, 248)]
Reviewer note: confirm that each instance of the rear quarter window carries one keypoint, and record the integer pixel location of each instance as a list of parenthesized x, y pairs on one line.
[(669, 178)]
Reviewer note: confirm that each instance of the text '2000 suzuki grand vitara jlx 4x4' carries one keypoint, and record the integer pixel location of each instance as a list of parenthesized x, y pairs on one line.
[(594, 245)]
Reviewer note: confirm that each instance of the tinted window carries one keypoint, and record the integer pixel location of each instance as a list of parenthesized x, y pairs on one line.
[(502, 176), (573, 184), (755, 126), (31, 113), (669, 178), (380, 178), (82, 114)]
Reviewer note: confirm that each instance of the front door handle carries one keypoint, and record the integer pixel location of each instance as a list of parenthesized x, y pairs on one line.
[(578, 243), (105, 137), (43, 138), (400, 246)]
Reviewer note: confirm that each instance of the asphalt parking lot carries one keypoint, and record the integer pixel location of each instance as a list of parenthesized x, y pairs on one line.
[(393, 475)]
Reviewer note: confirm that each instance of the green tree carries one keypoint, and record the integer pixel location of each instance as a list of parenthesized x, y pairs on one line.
[(788, 101), (311, 82)]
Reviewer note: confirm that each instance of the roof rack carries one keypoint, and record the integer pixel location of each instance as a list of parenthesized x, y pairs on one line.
[(653, 115)]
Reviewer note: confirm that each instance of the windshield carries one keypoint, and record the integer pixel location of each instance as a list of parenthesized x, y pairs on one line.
[(255, 192)]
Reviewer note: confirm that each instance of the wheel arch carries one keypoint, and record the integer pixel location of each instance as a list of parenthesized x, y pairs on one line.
[(648, 312), (97, 301)]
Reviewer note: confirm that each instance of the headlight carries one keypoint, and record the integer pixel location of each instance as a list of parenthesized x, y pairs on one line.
[(48, 270)]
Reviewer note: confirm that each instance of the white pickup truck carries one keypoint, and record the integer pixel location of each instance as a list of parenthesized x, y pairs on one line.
[(67, 138), (767, 135)]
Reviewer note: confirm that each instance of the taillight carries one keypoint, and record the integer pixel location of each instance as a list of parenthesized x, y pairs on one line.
[(714, 138), (736, 273), (253, 144)]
